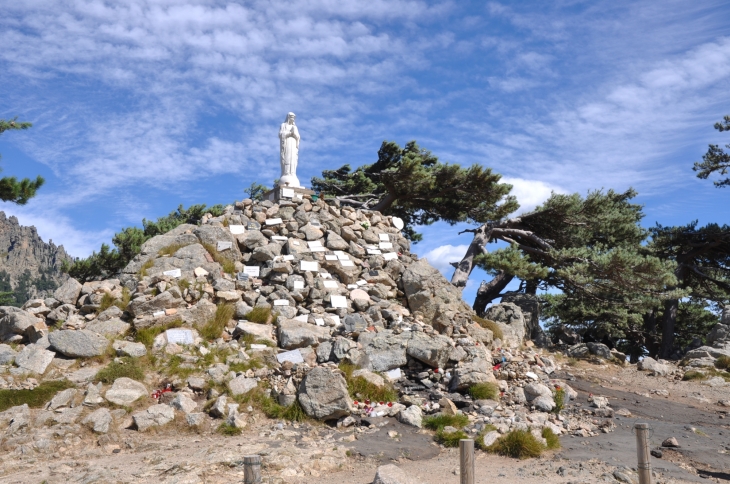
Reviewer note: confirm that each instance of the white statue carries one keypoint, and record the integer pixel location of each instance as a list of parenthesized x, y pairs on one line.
[(289, 155)]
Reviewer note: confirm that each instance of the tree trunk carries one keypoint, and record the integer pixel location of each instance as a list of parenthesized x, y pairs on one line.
[(477, 247), (650, 337), (489, 291), (668, 321), (531, 287)]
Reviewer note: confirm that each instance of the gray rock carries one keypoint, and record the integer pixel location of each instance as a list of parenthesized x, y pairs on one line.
[(167, 300), (544, 403), (708, 351), (195, 419), (129, 348), (196, 383), (7, 355), (16, 418), (14, 322), (34, 358), (370, 377), (511, 321), (335, 242), (324, 352), (125, 391), (411, 416), (253, 239), (652, 366), (266, 253), (431, 350), (491, 437), (625, 477), (62, 399), (296, 334), (211, 235), (429, 293), (110, 313), (92, 396), (99, 420), (476, 371), (258, 331), (69, 291), (355, 323), (392, 474), (535, 390), (579, 350), (184, 403), (219, 410), (109, 327), (323, 394), (154, 416), (78, 344), (384, 350), (600, 350), (241, 385), (670, 442), (311, 232)]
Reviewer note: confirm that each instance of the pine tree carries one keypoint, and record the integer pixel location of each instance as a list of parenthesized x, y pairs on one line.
[(411, 183), (12, 189), (716, 159)]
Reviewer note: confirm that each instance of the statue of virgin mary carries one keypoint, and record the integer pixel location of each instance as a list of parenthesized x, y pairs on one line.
[(289, 152)]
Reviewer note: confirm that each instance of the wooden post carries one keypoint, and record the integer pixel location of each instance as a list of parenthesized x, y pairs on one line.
[(642, 452), (466, 450), (252, 469)]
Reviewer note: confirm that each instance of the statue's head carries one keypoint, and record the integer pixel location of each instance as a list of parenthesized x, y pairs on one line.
[(290, 117)]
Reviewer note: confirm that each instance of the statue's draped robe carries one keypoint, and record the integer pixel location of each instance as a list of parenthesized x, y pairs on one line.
[(289, 138)]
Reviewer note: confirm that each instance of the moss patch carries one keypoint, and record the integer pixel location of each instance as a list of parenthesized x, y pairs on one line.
[(439, 421), (35, 398), (484, 391), (124, 367), (361, 389), (213, 329)]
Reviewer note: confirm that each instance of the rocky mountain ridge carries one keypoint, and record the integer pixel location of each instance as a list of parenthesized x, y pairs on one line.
[(29, 267)]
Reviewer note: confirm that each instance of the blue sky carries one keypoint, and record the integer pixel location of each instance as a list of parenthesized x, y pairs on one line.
[(139, 106)]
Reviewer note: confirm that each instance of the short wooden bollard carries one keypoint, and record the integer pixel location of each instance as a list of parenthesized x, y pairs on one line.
[(466, 450), (252, 469), (642, 452)]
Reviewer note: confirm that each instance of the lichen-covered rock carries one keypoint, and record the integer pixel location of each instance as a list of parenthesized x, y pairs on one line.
[(99, 420), (34, 358), (125, 391), (511, 321), (154, 416), (69, 291), (432, 350), (78, 344), (429, 293), (296, 334), (323, 394), (384, 350)]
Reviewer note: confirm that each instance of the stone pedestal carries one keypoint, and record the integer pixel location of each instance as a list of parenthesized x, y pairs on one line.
[(287, 193)]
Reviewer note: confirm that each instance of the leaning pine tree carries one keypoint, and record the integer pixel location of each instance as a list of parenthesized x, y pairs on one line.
[(12, 189)]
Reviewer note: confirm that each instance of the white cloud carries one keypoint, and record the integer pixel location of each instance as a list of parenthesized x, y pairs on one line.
[(442, 257), (530, 193)]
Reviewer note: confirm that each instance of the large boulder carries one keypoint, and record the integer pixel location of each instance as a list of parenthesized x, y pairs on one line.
[(7, 355), (108, 327), (653, 367), (476, 371), (429, 293), (69, 291), (14, 322), (154, 416), (257, 331), (99, 420), (296, 334), (323, 394), (383, 350), (125, 391), (431, 350), (34, 358), (529, 304), (511, 321), (78, 344), (211, 235), (167, 300), (392, 474), (535, 390)]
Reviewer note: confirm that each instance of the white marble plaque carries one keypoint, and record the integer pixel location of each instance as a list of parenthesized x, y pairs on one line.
[(361, 282), (274, 221), (298, 284), (386, 245), (302, 318), (294, 242), (390, 256), (338, 301), (325, 275), (374, 251), (281, 302), (319, 321), (307, 265), (315, 223), (330, 284), (318, 249), (287, 192), (394, 374), (242, 276), (173, 273), (179, 336), (222, 245), (336, 319), (279, 237), (297, 196), (347, 263), (352, 286), (295, 356), (157, 314), (258, 347), (384, 237), (330, 257), (252, 271), (314, 243), (237, 229), (289, 257)]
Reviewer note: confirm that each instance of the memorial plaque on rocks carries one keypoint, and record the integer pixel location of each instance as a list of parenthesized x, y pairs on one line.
[(237, 229), (315, 223), (281, 302), (384, 237), (390, 256), (307, 265), (253, 226), (319, 321), (374, 252), (252, 271), (386, 245), (347, 263), (158, 314), (302, 318), (287, 193), (374, 273), (173, 273), (179, 336), (341, 255), (336, 319), (258, 347), (338, 301), (398, 223), (330, 257), (294, 356), (274, 221), (223, 245), (331, 284), (394, 374), (280, 238), (242, 276), (298, 284)]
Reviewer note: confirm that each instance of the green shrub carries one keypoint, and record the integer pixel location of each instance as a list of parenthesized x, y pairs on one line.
[(35, 398), (260, 315), (272, 409), (362, 389), (213, 329), (149, 264), (439, 421), (228, 430), (723, 363), (484, 391), (491, 326), (553, 441), (171, 249), (147, 336), (520, 444), (694, 375), (559, 399), (125, 367), (450, 439), (107, 301)]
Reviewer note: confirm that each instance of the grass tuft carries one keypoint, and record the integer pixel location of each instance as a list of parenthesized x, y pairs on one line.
[(484, 391), (260, 315), (228, 430), (450, 439), (559, 399), (126, 367), (723, 363), (360, 388), (149, 264), (213, 329), (171, 249), (292, 413), (439, 421), (491, 326), (147, 335), (227, 264), (107, 301), (553, 441), (35, 398), (520, 444)]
